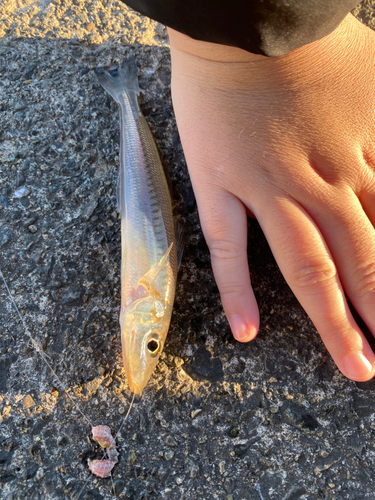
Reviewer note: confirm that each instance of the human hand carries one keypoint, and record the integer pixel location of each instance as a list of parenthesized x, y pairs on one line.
[(290, 140)]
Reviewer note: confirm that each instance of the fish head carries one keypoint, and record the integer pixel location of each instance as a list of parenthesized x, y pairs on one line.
[(144, 327)]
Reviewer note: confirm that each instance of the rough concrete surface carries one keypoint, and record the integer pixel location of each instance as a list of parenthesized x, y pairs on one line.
[(273, 419)]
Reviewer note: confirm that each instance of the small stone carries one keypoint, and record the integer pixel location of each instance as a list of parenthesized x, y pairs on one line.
[(6, 235), (164, 423), (324, 454), (28, 402), (21, 192), (179, 480), (196, 412), (132, 457), (202, 440), (331, 485), (39, 474), (168, 455), (90, 27), (33, 229), (118, 487), (30, 221), (169, 441), (274, 409), (240, 450), (234, 432), (222, 467), (178, 361)]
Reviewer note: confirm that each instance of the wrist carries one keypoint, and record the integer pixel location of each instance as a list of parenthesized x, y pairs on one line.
[(305, 66)]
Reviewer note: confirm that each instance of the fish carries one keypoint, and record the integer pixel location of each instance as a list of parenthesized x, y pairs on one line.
[(149, 260)]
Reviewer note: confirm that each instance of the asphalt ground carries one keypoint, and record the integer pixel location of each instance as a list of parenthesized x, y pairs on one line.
[(273, 419)]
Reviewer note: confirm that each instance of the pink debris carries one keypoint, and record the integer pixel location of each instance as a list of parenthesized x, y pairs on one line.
[(101, 468), (102, 435)]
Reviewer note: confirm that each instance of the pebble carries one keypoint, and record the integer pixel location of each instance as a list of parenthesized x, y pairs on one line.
[(28, 402), (168, 455), (132, 457), (6, 235), (179, 480), (178, 361), (222, 467), (164, 423), (118, 487), (240, 450), (234, 432), (169, 441), (39, 474), (196, 412), (21, 192), (30, 221)]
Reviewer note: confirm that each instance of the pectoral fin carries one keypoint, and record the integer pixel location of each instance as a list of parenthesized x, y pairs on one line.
[(149, 278)]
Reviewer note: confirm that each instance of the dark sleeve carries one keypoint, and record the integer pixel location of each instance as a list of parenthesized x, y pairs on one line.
[(268, 27)]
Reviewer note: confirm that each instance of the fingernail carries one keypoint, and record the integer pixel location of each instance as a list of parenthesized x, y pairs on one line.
[(239, 328), (356, 365)]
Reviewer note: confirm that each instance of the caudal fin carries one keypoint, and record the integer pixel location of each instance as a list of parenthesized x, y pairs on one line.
[(121, 79)]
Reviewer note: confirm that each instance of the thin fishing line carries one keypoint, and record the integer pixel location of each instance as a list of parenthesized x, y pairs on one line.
[(41, 353), (126, 416)]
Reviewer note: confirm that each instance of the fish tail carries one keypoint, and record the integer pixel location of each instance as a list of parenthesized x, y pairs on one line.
[(121, 79)]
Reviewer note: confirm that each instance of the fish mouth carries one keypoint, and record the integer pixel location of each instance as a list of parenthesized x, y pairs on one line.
[(134, 387)]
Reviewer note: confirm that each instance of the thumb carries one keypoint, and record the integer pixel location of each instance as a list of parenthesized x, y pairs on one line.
[(224, 224)]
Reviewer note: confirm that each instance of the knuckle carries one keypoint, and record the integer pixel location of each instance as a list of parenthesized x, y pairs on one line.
[(224, 250), (232, 289), (365, 282), (314, 275)]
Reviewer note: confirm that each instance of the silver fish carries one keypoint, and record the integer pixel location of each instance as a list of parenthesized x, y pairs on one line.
[(149, 256)]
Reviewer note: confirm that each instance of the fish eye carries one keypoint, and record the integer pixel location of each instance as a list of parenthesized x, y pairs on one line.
[(153, 345)]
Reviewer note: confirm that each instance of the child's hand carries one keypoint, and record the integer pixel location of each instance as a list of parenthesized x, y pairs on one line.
[(292, 141)]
